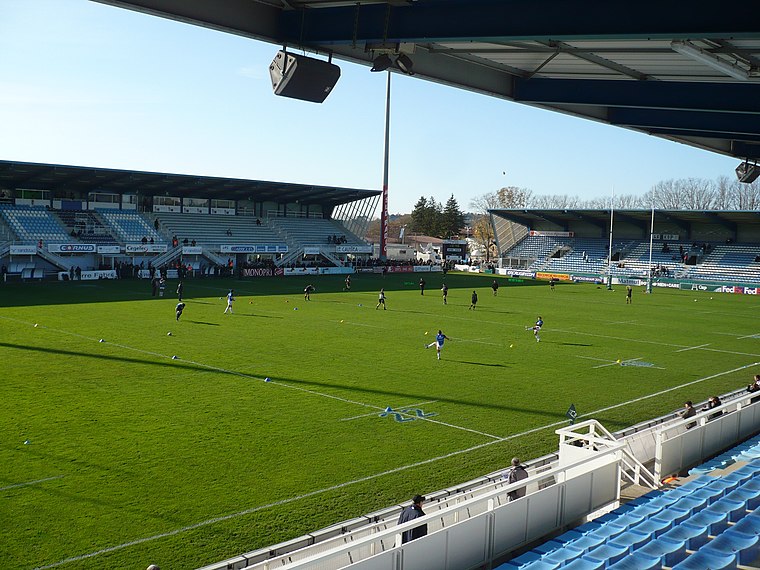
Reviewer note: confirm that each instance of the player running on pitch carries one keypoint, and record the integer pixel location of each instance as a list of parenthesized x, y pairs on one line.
[(438, 343), (536, 328), (381, 299), (308, 290), (180, 307), (230, 300)]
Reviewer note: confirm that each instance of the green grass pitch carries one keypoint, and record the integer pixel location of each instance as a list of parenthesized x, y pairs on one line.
[(115, 455)]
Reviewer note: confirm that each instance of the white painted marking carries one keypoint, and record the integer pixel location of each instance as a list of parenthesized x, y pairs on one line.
[(27, 483), (755, 335), (693, 347)]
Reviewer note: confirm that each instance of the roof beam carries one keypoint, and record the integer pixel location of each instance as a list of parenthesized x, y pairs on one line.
[(671, 95), (732, 226), (745, 150), (701, 123), (543, 20), (683, 224), (603, 62), (711, 134), (643, 224)]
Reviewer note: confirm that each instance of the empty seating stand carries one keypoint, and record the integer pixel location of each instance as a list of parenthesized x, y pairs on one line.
[(708, 523), (34, 223), (130, 227)]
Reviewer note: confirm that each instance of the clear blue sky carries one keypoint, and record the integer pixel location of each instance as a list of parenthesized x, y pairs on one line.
[(86, 84)]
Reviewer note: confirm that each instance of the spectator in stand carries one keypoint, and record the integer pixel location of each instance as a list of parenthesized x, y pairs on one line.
[(192, 243), (144, 240), (185, 241), (258, 222), (713, 402), (155, 224), (152, 240), (688, 412), (39, 244), (409, 514), (516, 473)]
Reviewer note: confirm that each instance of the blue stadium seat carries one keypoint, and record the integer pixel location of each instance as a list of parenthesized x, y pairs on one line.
[(743, 547), (713, 521), (637, 561), (668, 552), (693, 536), (630, 540), (702, 561), (608, 553)]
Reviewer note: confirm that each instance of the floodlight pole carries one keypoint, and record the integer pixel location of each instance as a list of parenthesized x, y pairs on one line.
[(609, 257), (384, 213), (651, 240)]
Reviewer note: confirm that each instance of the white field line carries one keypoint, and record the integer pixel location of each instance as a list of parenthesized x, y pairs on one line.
[(623, 323), (27, 483), (754, 335), (693, 347), (371, 477)]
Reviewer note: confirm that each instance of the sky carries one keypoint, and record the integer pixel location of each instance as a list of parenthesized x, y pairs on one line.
[(86, 84)]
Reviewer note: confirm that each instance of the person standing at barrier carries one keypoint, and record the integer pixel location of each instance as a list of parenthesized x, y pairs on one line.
[(409, 514), (516, 473)]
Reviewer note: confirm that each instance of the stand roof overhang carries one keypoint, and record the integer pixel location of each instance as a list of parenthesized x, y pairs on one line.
[(611, 61), (60, 178)]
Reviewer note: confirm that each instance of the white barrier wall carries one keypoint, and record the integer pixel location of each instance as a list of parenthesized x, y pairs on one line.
[(464, 534), (678, 448)]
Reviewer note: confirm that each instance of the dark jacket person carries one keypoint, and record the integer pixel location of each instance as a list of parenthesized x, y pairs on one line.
[(410, 513)]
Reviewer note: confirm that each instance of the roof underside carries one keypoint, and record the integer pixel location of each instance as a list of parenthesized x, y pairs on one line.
[(684, 72), (642, 218), (62, 179)]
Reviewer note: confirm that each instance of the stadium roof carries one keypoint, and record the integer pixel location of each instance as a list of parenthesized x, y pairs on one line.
[(642, 218), (688, 72), (86, 179)]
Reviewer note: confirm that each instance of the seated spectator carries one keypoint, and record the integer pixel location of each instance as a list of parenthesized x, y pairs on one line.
[(192, 243), (144, 240), (688, 412), (258, 222), (151, 240), (185, 241), (713, 402)]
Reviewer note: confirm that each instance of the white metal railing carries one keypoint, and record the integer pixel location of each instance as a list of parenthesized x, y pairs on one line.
[(556, 497), (687, 442)]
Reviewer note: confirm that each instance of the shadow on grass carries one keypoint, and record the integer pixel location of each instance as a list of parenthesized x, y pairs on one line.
[(480, 363), (18, 294), (204, 323), (110, 357), (178, 364), (574, 344), (259, 316)]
